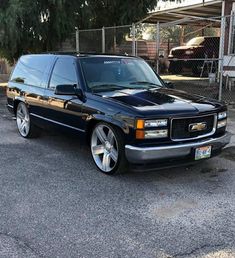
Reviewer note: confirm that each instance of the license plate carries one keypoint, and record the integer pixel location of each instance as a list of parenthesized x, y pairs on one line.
[(203, 152)]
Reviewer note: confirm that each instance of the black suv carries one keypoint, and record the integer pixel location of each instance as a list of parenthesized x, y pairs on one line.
[(125, 110), (191, 55)]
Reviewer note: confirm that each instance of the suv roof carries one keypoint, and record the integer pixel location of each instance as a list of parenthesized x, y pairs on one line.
[(87, 54)]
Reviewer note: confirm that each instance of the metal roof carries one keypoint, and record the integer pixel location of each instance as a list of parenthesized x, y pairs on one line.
[(188, 14)]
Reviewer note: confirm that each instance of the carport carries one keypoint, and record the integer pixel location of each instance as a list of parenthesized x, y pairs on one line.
[(200, 15), (188, 13)]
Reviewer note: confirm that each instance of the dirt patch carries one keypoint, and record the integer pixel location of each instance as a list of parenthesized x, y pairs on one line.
[(175, 209), (229, 153), (206, 170), (213, 171)]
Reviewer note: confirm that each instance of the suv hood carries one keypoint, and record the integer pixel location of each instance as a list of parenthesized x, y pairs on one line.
[(163, 101), (185, 47)]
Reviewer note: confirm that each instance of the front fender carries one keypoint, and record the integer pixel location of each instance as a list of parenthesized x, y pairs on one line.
[(120, 122)]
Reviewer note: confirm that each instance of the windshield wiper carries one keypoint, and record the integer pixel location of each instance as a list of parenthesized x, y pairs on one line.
[(109, 87), (146, 82), (112, 87)]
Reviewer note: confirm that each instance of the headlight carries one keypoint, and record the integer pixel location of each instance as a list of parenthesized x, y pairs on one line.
[(222, 123), (222, 115), (189, 52), (150, 134), (155, 123), (141, 124)]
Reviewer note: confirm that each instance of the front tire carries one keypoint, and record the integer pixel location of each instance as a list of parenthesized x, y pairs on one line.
[(107, 149), (25, 127), (175, 67), (197, 68)]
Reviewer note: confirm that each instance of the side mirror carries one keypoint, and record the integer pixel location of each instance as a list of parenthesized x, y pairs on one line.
[(68, 90), (169, 84)]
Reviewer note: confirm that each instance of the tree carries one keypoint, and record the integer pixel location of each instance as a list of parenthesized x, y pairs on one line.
[(34, 26), (118, 12)]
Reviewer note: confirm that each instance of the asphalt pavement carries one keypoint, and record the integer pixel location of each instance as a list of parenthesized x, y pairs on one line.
[(54, 203)]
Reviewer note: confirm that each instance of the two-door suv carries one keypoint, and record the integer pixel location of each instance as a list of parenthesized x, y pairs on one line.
[(125, 110)]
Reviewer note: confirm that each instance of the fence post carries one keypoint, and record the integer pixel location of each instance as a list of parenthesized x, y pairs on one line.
[(158, 45), (133, 39), (114, 40), (136, 47), (103, 40), (221, 55), (77, 39)]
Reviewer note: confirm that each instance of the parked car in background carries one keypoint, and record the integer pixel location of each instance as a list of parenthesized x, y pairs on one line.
[(196, 48), (123, 108)]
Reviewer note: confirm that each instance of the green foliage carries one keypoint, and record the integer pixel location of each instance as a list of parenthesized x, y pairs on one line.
[(28, 26), (172, 33), (33, 26), (117, 12)]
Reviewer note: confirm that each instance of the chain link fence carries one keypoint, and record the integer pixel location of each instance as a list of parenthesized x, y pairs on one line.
[(189, 56), (90, 41), (227, 76), (118, 40), (190, 53)]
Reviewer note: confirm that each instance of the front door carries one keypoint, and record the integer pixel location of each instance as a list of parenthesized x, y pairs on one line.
[(61, 109)]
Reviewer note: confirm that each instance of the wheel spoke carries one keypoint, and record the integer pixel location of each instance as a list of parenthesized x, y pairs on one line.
[(100, 134), (99, 149), (27, 125), (110, 137), (114, 155), (26, 118), (106, 162), (20, 115), (22, 125), (24, 129)]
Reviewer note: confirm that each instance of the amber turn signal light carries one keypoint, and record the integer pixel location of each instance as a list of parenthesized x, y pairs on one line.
[(140, 124), (140, 134)]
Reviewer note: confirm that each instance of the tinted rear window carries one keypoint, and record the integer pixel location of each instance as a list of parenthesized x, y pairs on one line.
[(30, 69)]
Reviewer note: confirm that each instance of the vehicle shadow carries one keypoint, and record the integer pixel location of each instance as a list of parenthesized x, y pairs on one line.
[(74, 152), (77, 146)]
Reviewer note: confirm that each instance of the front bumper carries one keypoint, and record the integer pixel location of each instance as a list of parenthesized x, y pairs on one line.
[(140, 155)]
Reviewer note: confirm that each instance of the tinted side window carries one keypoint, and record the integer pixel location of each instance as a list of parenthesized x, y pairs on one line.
[(30, 70), (64, 73)]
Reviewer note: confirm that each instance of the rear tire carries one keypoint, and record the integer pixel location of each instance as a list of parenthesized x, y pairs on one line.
[(108, 149), (23, 121)]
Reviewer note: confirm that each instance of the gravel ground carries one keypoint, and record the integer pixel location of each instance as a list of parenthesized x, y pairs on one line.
[(54, 203)]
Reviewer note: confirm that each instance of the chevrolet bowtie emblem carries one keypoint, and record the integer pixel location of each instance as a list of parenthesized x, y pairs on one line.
[(197, 127)]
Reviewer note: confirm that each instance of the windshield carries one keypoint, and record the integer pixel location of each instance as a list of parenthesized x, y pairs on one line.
[(195, 41), (116, 73)]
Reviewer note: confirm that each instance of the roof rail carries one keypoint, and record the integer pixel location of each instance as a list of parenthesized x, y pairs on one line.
[(85, 53)]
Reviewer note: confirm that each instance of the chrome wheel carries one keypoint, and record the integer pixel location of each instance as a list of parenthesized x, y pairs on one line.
[(23, 120), (104, 148)]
